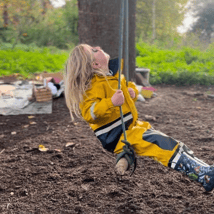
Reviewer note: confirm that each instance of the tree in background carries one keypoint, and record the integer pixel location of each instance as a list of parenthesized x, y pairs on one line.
[(168, 15), (45, 5), (153, 20), (19, 16), (204, 25), (30, 21), (59, 27), (71, 18), (36, 21), (12, 10), (5, 14), (99, 25)]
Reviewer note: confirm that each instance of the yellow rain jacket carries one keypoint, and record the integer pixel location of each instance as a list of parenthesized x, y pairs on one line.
[(104, 118)]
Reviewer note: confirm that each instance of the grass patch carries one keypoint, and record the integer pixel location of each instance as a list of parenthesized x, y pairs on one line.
[(27, 60), (186, 66)]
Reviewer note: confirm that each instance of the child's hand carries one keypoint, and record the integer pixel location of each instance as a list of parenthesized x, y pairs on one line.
[(131, 92), (118, 98)]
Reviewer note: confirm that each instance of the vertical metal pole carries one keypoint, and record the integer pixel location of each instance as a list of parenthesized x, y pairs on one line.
[(121, 30), (127, 41)]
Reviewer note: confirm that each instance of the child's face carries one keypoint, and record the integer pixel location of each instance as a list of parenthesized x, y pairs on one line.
[(101, 59)]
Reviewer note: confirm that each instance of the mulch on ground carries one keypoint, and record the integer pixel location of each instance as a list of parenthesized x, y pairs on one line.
[(81, 179)]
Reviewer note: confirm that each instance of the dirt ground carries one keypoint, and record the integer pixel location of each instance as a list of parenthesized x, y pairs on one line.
[(81, 179)]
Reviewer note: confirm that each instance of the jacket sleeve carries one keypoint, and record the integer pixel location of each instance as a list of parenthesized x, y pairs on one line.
[(95, 107), (133, 86)]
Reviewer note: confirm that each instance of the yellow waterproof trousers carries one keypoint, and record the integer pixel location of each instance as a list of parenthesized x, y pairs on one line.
[(148, 142)]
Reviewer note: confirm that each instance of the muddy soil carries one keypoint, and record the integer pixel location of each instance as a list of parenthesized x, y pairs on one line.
[(81, 179)]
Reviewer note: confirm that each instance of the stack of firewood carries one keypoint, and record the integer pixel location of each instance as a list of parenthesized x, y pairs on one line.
[(42, 94)]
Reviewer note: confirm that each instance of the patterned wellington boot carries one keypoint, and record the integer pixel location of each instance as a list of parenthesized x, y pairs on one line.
[(184, 161)]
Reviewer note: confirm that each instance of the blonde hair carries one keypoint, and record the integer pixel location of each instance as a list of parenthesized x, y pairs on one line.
[(78, 75)]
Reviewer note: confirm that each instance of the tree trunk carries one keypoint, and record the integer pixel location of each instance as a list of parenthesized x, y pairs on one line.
[(5, 15), (45, 5), (99, 25), (153, 21)]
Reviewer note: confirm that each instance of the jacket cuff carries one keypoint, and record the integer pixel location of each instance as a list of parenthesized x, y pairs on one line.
[(135, 99)]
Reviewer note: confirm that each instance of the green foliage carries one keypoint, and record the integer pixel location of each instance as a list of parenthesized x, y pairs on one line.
[(168, 15), (27, 60), (56, 27), (186, 66), (204, 13), (59, 28)]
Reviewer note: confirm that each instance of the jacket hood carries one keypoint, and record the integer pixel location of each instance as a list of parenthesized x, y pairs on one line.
[(114, 65)]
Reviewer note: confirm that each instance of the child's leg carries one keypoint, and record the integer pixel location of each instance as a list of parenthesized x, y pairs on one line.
[(149, 142), (168, 152)]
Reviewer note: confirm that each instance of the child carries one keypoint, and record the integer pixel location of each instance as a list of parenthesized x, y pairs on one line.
[(91, 92)]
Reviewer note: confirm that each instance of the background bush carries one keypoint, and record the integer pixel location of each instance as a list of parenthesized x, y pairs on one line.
[(27, 60), (184, 66), (53, 27)]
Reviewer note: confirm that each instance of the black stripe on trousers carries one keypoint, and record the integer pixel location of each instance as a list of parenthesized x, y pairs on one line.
[(160, 139)]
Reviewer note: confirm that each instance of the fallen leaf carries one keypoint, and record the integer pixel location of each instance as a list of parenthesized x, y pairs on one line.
[(85, 186), (198, 107), (32, 123), (30, 117), (69, 144), (2, 151), (75, 124), (150, 118), (13, 133), (42, 148), (58, 150), (25, 126)]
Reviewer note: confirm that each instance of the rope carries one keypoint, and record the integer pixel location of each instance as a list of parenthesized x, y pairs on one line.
[(120, 59), (127, 42), (128, 150)]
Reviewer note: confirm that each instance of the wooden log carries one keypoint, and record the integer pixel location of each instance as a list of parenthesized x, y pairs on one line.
[(42, 94)]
